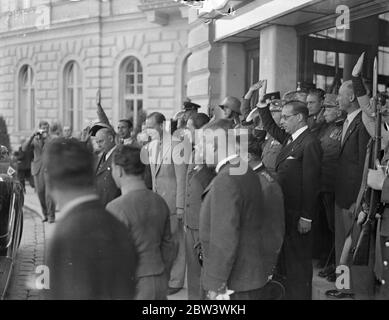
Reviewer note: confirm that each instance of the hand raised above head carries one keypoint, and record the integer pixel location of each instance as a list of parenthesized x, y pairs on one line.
[(256, 86), (98, 97), (358, 66)]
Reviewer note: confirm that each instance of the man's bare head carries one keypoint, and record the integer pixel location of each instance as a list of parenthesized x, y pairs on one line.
[(346, 97), (105, 139)]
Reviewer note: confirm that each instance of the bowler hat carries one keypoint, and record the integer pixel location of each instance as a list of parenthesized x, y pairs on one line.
[(97, 126)]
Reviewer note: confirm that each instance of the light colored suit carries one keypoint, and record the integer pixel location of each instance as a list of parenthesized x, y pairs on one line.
[(169, 182)]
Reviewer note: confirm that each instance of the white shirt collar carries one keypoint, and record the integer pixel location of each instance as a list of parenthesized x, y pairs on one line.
[(351, 116), (127, 140), (224, 161), (298, 132), (258, 166), (109, 153), (77, 201)]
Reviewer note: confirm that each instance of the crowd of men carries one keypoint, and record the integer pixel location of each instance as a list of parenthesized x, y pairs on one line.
[(135, 220)]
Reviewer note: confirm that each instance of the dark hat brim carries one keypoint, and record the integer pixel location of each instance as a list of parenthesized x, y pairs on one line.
[(96, 127)]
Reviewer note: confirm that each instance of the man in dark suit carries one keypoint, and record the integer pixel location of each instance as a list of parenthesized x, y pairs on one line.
[(273, 226), (347, 184), (231, 219), (38, 143), (91, 255), (298, 171), (198, 178), (146, 215), (106, 187)]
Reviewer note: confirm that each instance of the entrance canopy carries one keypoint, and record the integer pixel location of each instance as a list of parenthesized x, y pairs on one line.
[(307, 16)]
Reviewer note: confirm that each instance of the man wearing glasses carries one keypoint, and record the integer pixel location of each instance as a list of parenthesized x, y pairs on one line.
[(298, 167)]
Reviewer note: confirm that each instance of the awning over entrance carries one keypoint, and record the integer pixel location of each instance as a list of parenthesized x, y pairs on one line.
[(306, 15)]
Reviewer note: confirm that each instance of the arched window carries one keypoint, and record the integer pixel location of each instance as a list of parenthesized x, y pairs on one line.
[(26, 98), (73, 96), (132, 89)]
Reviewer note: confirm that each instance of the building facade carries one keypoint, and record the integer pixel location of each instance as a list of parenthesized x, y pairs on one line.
[(314, 42), (56, 54)]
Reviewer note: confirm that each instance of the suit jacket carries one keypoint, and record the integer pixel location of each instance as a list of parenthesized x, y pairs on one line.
[(168, 177), (196, 182), (91, 256), (350, 164), (231, 220), (330, 143), (105, 185), (38, 147), (298, 168), (273, 225), (146, 215)]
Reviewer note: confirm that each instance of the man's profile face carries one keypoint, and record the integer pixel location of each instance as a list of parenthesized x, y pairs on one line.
[(124, 130), (289, 119), (314, 104), (331, 114), (227, 113), (343, 98), (153, 129)]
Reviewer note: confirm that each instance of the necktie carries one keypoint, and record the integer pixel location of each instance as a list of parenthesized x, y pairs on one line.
[(289, 140), (345, 126), (102, 160)]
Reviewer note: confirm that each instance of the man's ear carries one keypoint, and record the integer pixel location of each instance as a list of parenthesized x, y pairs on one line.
[(352, 97), (121, 171)]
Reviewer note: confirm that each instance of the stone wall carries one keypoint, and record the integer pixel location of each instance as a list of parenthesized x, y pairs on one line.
[(99, 43)]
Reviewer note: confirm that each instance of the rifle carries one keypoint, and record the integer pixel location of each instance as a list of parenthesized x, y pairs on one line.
[(362, 249)]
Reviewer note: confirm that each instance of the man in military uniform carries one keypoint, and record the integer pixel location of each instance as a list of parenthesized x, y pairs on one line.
[(330, 142), (274, 214), (316, 121), (180, 119)]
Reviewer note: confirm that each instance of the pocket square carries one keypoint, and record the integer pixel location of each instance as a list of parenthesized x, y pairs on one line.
[(290, 158)]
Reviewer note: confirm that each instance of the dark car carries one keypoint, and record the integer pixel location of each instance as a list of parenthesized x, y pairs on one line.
[(11, 221)]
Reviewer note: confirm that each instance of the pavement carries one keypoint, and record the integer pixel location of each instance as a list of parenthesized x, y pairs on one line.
[(32, 250)]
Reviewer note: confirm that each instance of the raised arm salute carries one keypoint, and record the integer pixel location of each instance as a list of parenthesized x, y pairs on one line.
[(298, 168)]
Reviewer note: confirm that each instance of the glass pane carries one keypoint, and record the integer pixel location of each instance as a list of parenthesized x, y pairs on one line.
[(139, 90), (139, 66), (139, 105), (78, 125), (70, 99), (32, 79), (140, 78), (32, 108), (24, 78), (129, 109), (23, 115), (130, 66), (70, 75)]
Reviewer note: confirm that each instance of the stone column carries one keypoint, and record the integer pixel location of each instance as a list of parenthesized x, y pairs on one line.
[(215, 69), (278, 58)]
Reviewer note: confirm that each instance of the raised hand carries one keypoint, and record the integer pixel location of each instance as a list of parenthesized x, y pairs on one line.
[(261, 94), (358, 66), (98, 97)]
